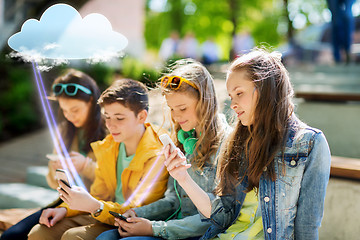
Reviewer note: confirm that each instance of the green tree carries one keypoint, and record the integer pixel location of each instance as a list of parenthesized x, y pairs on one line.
[(218, 19), (269, 21)]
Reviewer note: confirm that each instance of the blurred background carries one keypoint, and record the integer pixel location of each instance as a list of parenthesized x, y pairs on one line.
[(327, 86), (159, 31)]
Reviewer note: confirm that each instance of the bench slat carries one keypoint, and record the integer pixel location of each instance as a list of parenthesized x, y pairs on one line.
[(345, 167), (316, 96)]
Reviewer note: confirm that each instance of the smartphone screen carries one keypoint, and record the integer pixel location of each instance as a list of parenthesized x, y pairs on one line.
[(62, 176), (118, 215)]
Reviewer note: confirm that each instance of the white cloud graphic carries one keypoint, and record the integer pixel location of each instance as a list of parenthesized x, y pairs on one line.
[(62, 33)]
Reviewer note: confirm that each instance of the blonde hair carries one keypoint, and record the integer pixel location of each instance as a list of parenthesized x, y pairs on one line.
[(206, 108)]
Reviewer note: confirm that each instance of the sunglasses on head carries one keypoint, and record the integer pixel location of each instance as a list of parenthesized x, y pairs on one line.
[(70, 89), (174, 82)]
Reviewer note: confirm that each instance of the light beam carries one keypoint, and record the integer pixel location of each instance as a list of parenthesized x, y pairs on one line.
[(56, 138)]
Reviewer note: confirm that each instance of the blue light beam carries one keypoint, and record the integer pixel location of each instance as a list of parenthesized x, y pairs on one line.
[(145, 193), (56, 138)]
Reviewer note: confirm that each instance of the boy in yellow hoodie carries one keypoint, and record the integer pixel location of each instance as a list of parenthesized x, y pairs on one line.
[(129, 171)]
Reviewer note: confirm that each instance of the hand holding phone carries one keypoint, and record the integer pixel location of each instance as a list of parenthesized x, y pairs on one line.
[(62, 176), (166, 140), (118, 215)]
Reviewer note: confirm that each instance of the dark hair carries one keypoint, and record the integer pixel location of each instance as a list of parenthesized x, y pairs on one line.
[(94, 127), (206, 108), (251, 149), (130, 93)]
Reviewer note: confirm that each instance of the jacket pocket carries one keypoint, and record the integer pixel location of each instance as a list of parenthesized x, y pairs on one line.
[(290, 169)]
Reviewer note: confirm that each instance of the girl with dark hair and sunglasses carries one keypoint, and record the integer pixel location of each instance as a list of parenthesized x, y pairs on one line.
[(80, 124), (273, 170), (198, 131)]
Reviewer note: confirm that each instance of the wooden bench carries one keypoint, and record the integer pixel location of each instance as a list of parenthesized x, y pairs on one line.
[(328, 96), (345, 167)]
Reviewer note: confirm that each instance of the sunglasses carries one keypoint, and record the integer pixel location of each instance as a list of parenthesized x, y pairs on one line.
[(70, 89), (175, 82)]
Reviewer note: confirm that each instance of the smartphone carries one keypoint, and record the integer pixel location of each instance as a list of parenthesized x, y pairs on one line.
[(62, 176), (166, 140), (118, 215), (53, 157)]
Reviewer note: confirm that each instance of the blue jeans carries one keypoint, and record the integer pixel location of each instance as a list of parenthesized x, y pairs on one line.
[(20, 230), (342, 26), (114, 235)]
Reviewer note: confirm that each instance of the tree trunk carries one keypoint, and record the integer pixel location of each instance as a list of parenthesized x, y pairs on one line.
[(233, 5), (176, 14), (290, 31)]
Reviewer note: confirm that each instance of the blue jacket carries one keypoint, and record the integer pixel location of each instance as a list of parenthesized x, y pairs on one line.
[(292, 205)]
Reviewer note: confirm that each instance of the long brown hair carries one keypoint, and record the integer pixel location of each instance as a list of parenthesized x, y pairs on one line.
[(94, 127), (250, 150), (206, 108)]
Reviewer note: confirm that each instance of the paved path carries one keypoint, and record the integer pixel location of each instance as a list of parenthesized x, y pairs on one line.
[(22, 152)]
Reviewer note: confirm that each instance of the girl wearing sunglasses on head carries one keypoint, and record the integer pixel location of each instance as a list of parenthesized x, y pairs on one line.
[(198, 130), (80, 124)]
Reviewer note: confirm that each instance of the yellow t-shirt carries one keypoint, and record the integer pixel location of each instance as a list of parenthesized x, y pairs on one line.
[(249, 224)]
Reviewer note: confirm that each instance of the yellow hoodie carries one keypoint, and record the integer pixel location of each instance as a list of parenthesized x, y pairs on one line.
[(144, 180)]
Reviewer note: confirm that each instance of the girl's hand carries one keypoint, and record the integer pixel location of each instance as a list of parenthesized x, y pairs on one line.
[(176, 165), (134, 227), (78, 198), (129, 214), (78, 160), (50, 216)]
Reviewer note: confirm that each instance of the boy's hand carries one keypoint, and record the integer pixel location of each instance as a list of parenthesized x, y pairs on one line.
[(175, 164), (78, 198), (134, 227), (50, 216)]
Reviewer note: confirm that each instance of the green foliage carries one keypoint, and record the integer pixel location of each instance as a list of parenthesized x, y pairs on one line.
[(156, 29), (213, 19), (137, 70), (261, 18), (264, 29), (210, 19), (18, 103), (102, 73)]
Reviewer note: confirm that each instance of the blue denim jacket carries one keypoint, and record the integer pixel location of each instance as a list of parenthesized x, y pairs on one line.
[(292, 205)]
